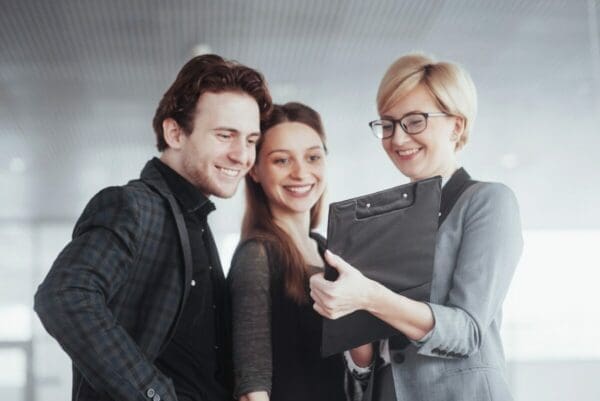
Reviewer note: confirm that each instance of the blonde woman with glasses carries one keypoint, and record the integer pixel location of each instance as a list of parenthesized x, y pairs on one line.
[(451, 348)]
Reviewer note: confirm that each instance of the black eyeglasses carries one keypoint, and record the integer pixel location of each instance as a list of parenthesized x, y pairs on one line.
[(411, 123)]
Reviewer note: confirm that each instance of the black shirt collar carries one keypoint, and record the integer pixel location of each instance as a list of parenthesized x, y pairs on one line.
[(452, 190), (189, 197)]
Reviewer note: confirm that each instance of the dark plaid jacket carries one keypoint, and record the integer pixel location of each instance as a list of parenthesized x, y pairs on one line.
[(114, 293)]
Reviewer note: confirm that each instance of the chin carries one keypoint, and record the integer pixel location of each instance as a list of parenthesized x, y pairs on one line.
[(303, 207), (223, 191), (226, 194)]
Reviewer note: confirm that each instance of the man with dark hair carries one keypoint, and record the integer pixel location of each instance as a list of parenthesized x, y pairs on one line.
[(138, 298)]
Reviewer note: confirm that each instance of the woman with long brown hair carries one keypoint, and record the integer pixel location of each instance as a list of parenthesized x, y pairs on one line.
[(276, 332)]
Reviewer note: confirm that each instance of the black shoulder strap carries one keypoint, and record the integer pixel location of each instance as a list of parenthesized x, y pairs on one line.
[(458, 183), (321, 242)]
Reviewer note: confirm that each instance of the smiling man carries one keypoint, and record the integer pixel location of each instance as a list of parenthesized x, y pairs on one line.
[(138, 297)]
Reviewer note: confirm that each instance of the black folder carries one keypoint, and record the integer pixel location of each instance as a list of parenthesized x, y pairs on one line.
[(390, 237)]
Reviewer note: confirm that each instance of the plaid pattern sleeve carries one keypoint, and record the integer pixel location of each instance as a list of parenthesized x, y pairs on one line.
[(72, 302)]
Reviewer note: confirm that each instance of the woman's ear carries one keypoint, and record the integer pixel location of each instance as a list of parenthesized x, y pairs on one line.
[(172, 133), (459, 128)]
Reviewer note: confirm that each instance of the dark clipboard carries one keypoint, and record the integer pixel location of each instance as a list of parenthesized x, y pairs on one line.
[(390, 237)]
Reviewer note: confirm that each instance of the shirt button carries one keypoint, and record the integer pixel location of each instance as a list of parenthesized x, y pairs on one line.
[(209, 267), (150, 393), (193, 283)]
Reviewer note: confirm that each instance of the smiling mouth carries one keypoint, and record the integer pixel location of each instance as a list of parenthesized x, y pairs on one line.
[(229, 172), (299, 189), (407, 152)]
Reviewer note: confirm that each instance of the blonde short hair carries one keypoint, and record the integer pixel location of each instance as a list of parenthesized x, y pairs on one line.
[(449, 84)]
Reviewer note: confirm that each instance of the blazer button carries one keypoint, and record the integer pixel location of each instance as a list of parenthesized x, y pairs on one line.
[(156, 398), (399, 358), (150, 393)]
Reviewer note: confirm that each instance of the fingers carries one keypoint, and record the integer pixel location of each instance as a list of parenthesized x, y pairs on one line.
[(318, 281), (325, 312), (324, 303), (318, 296), (330, 313)]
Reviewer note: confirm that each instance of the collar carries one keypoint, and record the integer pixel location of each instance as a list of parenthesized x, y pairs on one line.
[(452, 189), (188, 196)]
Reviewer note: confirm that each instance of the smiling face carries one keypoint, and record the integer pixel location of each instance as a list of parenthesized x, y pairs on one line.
[(221, 148), (431, 152), (291, 168)]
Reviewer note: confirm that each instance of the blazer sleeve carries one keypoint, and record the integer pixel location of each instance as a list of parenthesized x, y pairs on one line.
[(488, 255), (72, 300)]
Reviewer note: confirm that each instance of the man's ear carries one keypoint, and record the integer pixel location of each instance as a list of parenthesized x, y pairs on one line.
[(172, 133), (253, 175)]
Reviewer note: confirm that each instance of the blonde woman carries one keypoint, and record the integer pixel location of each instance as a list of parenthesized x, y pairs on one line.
[(451, 349)]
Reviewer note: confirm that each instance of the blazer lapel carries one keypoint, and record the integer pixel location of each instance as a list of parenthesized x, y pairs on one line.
[(152, 177), (458, 183)]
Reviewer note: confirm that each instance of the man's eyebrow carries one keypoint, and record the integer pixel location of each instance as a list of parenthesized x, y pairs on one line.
[(233, 130)]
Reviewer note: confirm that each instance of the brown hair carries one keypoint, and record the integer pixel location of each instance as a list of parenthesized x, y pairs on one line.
[(207, 73), (258, 220)]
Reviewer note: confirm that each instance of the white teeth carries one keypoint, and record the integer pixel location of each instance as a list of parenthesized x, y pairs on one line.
[(229, 172), (407, 152), (299, 190)]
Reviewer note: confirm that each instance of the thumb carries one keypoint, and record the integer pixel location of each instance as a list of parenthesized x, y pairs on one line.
[(338, 263)]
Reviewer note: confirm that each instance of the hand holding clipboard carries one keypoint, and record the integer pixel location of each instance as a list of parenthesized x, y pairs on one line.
[(390, 237)]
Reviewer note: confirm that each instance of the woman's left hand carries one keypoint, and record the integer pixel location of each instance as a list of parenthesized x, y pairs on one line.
[(350, 292)]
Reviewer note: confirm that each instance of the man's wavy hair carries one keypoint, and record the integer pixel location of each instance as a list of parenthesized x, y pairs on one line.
[(207, 73)]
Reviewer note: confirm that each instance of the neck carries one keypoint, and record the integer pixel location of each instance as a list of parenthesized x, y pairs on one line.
[(176, 164), (445, 173), (297, 225)]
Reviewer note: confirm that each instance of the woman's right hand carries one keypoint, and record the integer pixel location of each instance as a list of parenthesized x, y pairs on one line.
[(350, 292)]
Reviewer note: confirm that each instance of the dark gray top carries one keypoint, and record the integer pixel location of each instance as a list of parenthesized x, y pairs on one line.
[(276, 342), (251, 306)]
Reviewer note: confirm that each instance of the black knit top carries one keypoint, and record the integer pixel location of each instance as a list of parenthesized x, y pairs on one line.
[(276, 342)]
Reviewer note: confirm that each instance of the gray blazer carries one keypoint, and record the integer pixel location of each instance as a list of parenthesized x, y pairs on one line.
[(478, 247)]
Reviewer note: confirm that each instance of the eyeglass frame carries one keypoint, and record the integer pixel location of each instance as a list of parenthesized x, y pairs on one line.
[(399, 122)]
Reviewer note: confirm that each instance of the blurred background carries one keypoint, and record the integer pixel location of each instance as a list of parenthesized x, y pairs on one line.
[(80, 80)]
